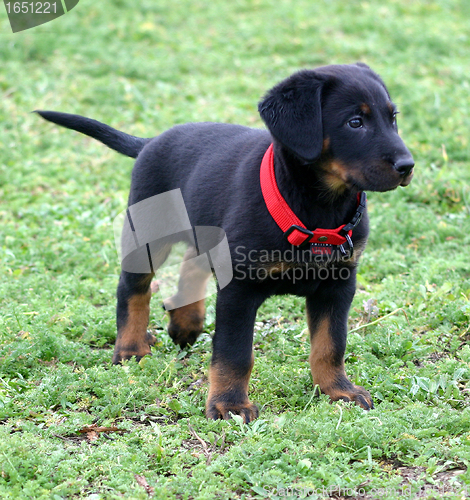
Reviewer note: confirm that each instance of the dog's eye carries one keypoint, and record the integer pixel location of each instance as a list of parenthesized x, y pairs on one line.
[(394, 116), (355, 123)]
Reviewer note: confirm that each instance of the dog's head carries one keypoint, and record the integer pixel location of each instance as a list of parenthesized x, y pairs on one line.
[(340, 119)]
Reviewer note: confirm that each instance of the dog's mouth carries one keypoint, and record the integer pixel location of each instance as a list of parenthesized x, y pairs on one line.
[(407, 179), (381, 184)]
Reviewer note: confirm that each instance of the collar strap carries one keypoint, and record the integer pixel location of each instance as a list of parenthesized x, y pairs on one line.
[(294, 231)]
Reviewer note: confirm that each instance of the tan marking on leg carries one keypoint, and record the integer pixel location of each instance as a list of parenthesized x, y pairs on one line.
[(330, 376), (192, 282), (186, 322), (133, 338), (324, 372), (190, 316), (228, 393), (222, 379)]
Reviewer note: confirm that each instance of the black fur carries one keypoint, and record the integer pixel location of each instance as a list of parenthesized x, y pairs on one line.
[(322, 161), (119, 141)]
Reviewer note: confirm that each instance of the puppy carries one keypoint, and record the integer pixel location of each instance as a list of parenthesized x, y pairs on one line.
[(291, 202)]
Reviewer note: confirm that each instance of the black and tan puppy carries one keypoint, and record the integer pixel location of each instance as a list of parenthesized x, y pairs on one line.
[(334, 135)]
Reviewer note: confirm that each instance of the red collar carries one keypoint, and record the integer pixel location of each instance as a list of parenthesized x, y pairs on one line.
[(293, 229)]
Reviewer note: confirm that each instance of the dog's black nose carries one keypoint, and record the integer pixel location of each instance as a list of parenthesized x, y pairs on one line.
[(404, 165)]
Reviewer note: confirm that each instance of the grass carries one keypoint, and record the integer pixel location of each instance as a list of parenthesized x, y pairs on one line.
[(143, 69)]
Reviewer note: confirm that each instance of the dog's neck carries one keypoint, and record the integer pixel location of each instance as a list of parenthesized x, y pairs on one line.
[(304, 188)]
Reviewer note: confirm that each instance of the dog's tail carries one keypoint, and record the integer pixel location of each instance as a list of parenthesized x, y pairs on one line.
[(119, 141)]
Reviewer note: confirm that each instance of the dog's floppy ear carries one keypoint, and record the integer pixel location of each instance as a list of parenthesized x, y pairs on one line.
[(293, 115)]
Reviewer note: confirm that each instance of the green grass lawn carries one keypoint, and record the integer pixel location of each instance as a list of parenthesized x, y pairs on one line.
[(143, 67)]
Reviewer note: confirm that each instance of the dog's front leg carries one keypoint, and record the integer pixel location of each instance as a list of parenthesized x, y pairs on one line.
[(232, 358), (327, 314)]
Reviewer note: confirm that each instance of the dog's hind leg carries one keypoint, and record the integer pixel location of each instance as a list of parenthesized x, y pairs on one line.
[(187, 320), (133, 310)]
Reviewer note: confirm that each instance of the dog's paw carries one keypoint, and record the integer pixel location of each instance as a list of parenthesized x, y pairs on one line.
[(124, 351), (186, 323), (183, 337), (351, 392), (223, 410)]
